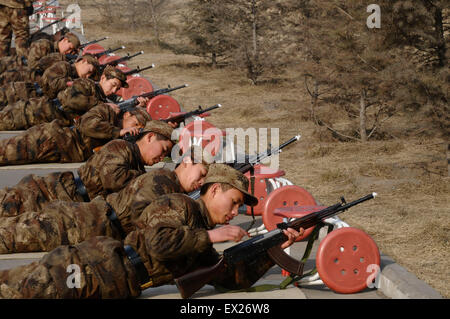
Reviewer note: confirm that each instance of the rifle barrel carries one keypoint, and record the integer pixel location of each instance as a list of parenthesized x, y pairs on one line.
[(138, 69)]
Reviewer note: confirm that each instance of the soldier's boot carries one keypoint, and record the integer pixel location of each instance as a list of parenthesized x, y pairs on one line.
[(95, 268)]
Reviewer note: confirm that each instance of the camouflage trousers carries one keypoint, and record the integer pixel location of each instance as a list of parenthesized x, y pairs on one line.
[(25, 114), (17, 21), (34, 192), (15, 91), (9, 63), (59, 223), (19, 74), (96, 268), (44, 143)]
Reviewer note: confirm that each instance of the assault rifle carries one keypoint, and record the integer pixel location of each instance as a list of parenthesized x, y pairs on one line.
[(92, 42), (251, 161), (71, 58), (99, 54), (183, 116), (48, 26), (189, 283), (119, 60), (131, 103), (138, 69)]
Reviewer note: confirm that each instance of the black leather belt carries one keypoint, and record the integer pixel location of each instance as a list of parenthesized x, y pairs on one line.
[(112, 216), (141, 272), (81, 189)]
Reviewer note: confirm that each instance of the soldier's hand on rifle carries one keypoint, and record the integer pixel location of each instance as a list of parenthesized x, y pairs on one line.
[(292, 235), (226, 233), (173, 124), (131, 130), (142, 101)]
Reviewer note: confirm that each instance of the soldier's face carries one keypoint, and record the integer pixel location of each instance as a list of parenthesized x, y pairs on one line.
[(223, 205), (130, 121), (66, 47), (110, 86), (153, 150), (84, 69), (192, 176)]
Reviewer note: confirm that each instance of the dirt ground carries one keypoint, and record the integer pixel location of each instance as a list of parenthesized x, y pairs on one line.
[(410, 220)]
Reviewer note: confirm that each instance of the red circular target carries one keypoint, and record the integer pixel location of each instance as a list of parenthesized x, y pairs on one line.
[(346, 260), (162, 107), (93, 49), (292, 198), (136, 86)]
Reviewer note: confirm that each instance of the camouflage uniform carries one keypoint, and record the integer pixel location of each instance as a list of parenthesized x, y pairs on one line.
[(74, 101), (54, 142), (42, 54), (70, 103), (52, 81), (174, 242), (14, 18), (98, 258), (69, 223), (23, 73), (107, 171)]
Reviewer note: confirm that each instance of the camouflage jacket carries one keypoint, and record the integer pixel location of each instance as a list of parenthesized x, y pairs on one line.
[(172, 240), (112, 168), (140, 192), (79, 98), (97, 127), (38, 50), (55, 78)]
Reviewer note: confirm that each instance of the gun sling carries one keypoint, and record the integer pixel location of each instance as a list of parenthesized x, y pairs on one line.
[(141, 272), (112, 216), (80, 188)]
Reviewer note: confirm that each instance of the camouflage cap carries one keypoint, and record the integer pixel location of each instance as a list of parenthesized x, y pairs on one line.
[(222, 173), (141, 115), (160, 127), (92, 60), (73, 39), (112, 72)]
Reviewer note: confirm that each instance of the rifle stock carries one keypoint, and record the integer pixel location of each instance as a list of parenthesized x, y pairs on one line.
[(190, 283)]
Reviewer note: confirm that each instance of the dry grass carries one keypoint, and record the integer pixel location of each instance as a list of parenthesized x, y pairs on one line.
[(410, 220)]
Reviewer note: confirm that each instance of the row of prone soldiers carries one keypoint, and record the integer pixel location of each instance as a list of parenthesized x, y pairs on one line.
[(125, 228), (60, 104)]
